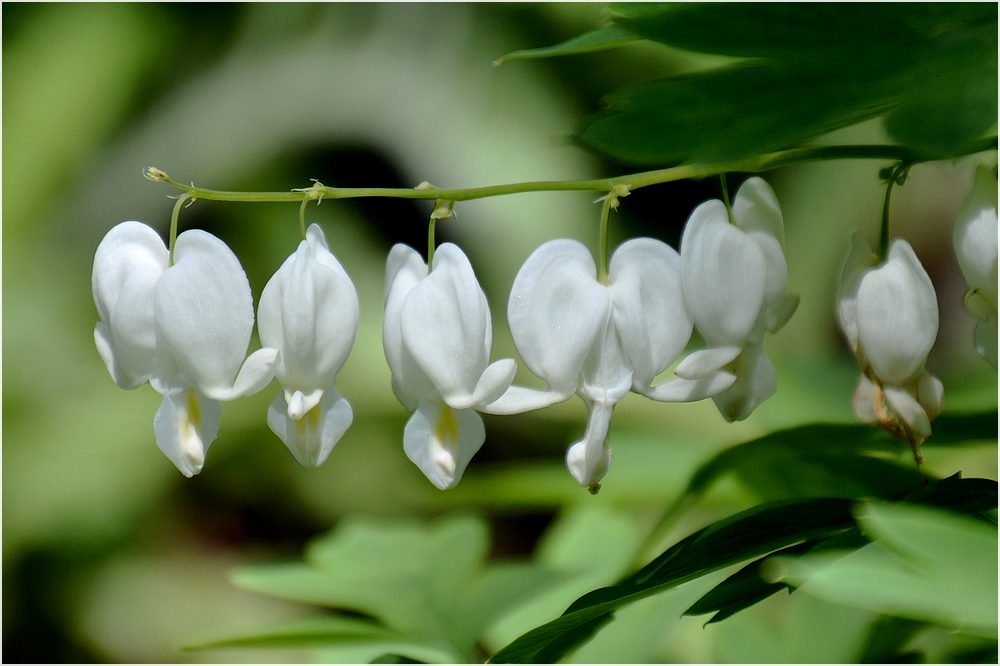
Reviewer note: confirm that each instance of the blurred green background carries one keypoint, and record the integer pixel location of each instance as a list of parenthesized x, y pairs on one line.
[(109, 554)]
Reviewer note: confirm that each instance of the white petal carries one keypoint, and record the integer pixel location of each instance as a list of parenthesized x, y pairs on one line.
[(494, 382), (897, 315), (441, 441), (589, 459), (446, 326), (986, 340), (930, 394), (703, 362), (128, 262), (606, 375), (204, 312), (649, 311), (186, 425), (556, 310), (756, 211), (256, 373), (908, 410), (756, 381), (975, 234), (724, 273), (690, 390), (309, 311), (859, 262), (865, 400), (779, 312), (520, 399), (312, 437), (403, 271)]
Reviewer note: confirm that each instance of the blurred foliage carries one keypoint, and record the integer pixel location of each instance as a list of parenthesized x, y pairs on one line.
[(109, 555)]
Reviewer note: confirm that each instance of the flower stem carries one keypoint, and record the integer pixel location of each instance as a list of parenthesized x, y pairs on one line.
[(430, 242), (302, 218), (602, 242), (187, 196), (725, 198), (756, 164), (898, 175)]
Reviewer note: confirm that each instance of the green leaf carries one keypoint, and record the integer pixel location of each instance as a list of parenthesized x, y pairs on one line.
[(425, 583), (950, 428), (749, 534), (752, 533), (815, 68), (925, 564), (887, 640), (774, 30), (735, 113), (607, 37)]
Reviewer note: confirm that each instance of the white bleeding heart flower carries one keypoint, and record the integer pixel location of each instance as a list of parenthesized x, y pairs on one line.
[(600, 341), (183, 328), (975, 239), (734, 278), (437, 335), (309, 312), (889, 315)]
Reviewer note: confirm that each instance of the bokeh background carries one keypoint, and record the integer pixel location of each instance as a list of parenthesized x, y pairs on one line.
[(109, 554)]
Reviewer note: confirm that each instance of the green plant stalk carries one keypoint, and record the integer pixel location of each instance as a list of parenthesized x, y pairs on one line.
[(302, 218), (174, 216), (430, 243), (725, 198), (602, 242), (758, 164)]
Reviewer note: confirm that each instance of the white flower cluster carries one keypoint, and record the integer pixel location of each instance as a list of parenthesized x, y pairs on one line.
[(183, 324)]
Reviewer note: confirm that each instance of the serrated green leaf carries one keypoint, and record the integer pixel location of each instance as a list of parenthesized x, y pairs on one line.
[(925, 564), (606, 37), (426, 583)]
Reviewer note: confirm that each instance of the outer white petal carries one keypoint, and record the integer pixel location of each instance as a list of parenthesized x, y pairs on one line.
[(556, 310), (589, 459), (703, 362), (520, 399), (756, 211), (860, 260), (312, 437), (897, 315), (309, 311), (756, 381), (930, 394), (690, 390), (649, 311), (986, 340), (441, 441), (724, 273), (403, 271), (865, 400), (186, 425), (909, 410), (975, 234), (128, 262), (447, 328), (495, 381), (204, 313)]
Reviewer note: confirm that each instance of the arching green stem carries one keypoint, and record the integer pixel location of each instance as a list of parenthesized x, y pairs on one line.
[(756, 164), (174, 216)]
